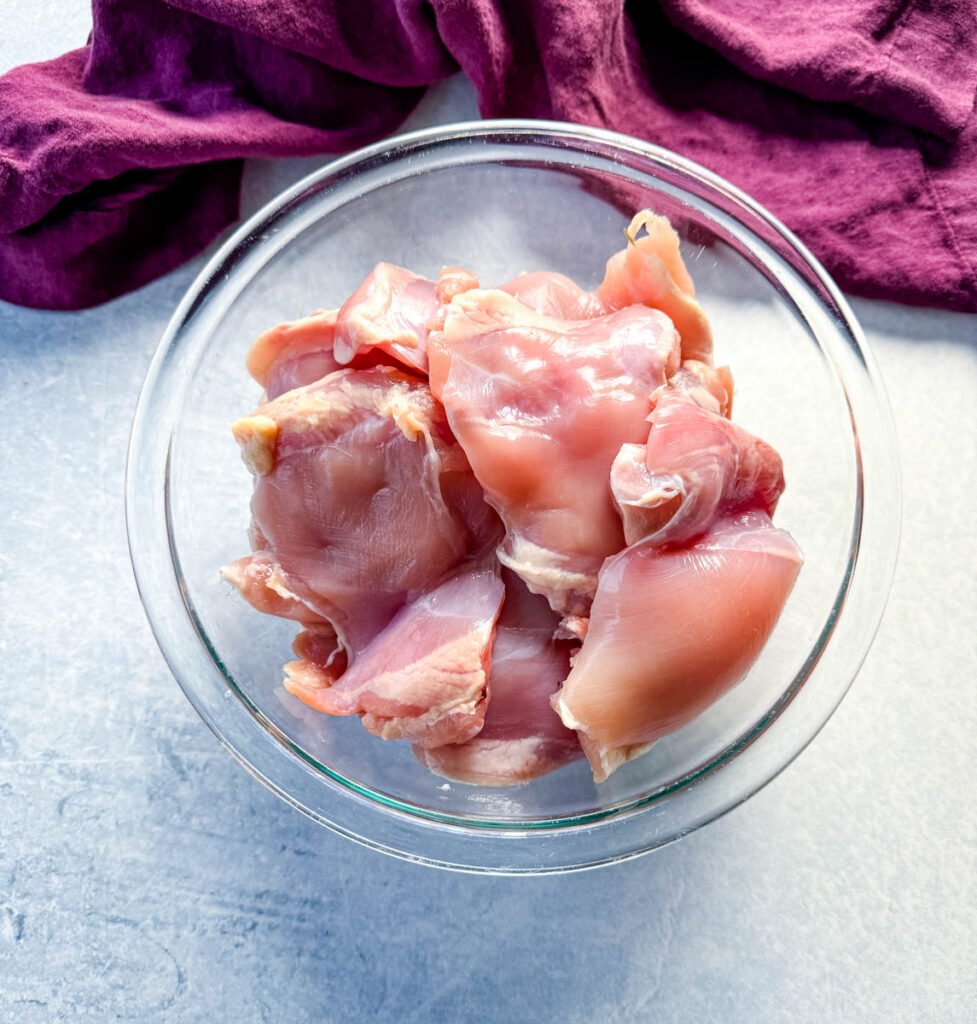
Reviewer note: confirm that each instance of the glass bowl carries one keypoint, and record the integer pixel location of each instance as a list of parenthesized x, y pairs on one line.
[(500, 198)]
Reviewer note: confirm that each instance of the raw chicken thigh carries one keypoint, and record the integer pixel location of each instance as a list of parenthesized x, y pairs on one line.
[(554, 295), (349, 495), (384, 322), (424, 677), (293, 354), (650, 271), (695, 468), (541, 407), (523, 736), (393, 311), (263, 584), (670, 631), (365, 504), (516, 526)]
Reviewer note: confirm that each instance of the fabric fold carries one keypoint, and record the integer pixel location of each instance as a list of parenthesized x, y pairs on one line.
[(909, 62)]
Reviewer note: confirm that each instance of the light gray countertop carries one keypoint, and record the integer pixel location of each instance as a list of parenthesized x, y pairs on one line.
[(144, 876)]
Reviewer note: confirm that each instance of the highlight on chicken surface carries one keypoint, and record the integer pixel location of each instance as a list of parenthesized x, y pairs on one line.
[(515, 525)]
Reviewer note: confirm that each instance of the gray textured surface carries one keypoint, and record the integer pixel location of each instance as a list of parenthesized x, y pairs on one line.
[(144, 876)]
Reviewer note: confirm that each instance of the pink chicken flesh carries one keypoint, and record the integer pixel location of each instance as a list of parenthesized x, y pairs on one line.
[(695, 468), (300, 352), (650, 270), (522, 737), (554, 295), (384, 323), (516, 526), (424, 677), (541, 407), (709, 386), (362, 497), (262, 583), (293, 354), (393, 311), (321, 661), (671, 631)]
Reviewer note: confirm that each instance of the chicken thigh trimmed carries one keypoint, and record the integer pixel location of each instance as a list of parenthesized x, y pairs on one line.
[(425, 676), (362, 497), (695, 467), (541, 407), (393, 311), (515, 526), (671, 630), (650, 270), (522, 737)]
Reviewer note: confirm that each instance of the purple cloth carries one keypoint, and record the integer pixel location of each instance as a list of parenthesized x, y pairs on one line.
[(852, 120)]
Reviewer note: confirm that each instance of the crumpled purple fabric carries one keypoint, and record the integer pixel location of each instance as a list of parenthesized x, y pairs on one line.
[(852, 120)]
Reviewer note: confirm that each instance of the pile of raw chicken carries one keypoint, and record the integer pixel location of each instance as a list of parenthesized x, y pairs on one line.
[(516, 524)]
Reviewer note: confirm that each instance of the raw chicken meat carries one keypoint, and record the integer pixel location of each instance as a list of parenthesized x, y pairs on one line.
[(453, 281), (293, 354), (423, 678), (262, 583), (300, 352), (695, 468), (710, 386), (554, 295), (362, 496), (385, 322), (321, 661), (515, 525), (541, 407), (651, 271), (671, 631), (392, 310), (522, 737)]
